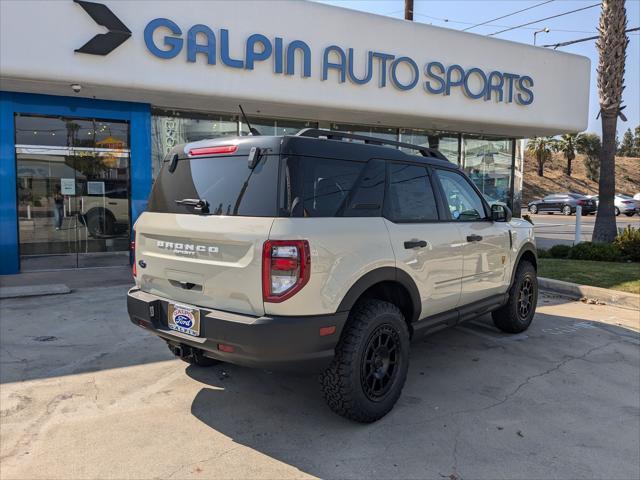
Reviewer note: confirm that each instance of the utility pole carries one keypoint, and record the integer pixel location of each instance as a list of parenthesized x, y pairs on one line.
[(408, 10)]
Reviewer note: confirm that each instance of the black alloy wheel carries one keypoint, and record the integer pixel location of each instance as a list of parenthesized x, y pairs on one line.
[(525, 298), (380, 366)]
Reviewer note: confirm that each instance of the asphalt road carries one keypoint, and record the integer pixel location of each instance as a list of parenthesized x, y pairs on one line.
[(85, 394), (560, 229)]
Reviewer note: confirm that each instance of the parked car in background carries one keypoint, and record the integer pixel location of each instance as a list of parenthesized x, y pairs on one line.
[(623, 204), (564, 203), (636, 196), (626, 204)]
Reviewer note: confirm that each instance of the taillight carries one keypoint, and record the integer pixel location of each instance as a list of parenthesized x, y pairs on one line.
[(220, 149), (286, 268)]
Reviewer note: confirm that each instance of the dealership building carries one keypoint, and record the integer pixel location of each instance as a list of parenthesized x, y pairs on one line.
[(93, 95)]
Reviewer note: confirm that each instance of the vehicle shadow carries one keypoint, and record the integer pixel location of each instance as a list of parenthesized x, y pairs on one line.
[(462, 405)]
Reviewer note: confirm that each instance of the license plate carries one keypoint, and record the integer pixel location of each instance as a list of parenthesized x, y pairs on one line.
[(184, 319)]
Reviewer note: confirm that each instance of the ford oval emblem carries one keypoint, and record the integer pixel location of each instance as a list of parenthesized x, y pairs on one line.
[(183, 321)]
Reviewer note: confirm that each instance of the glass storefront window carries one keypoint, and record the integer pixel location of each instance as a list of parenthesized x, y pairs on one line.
[(380, 132), (169, 129), (488, 162), (447, 143), (270, 126), (73, 192)]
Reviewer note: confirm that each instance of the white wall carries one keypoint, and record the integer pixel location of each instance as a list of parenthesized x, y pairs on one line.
[(38, 38)]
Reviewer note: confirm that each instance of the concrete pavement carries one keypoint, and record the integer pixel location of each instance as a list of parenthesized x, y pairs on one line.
[(85, 394)]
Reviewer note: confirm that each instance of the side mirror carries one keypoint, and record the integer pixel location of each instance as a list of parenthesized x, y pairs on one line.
[(500, 213)]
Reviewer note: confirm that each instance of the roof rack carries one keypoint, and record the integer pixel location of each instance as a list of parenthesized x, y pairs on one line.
[(336, 135)]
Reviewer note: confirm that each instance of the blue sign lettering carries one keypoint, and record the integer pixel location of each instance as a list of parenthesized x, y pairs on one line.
[(164, 39)]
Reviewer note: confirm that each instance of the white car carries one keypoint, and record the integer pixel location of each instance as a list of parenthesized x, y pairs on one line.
[(310, 252), (626, 204), (622, 204)]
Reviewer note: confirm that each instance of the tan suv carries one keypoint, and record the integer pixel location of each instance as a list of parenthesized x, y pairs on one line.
[(323, 251)]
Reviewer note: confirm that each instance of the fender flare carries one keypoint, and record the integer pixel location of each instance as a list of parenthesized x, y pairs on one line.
[(383, 274), (527, 246)]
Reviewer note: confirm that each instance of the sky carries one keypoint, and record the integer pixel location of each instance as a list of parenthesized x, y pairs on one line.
[(459, 14)]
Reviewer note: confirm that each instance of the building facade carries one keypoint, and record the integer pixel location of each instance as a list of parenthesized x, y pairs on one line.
[(92, 96)]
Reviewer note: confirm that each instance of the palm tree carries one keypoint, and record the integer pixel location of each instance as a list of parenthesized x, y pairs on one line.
[(566, 145), (612, 47), (541, 148), (589, 145)]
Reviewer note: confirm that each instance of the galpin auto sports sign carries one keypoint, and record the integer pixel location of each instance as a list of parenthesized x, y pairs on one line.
[(167, 40)]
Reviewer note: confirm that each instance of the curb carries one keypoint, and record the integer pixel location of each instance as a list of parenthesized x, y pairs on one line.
[(34, 290), (573, 290)]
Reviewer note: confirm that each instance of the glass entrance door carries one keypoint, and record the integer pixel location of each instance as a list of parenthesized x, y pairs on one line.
[(73, 192)]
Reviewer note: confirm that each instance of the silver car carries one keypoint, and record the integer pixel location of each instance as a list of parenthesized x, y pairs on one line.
[(623, 204)]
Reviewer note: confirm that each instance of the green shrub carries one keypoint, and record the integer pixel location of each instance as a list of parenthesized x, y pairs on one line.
[(560, 251), (601, 252), (542, 253), (628, 242)]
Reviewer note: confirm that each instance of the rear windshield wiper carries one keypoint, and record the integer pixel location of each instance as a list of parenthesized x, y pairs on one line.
[(200, 205)]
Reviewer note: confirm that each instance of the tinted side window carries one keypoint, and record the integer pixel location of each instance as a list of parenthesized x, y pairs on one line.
[(317, 187), (367, 199), (463, 201), (410, 197)]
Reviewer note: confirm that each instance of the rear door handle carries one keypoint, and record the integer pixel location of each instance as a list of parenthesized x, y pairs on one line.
[(415, 244), (474, 238)]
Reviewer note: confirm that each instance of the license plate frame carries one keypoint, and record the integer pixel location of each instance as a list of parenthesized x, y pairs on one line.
[(183, 318)]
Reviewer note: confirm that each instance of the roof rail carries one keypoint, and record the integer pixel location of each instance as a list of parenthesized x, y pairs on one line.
[(337, 135)]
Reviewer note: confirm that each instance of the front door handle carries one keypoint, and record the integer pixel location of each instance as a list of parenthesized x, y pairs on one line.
[(415, 244), (474, 238)]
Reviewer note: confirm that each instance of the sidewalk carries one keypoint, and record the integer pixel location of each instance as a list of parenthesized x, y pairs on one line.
[(74, 279)]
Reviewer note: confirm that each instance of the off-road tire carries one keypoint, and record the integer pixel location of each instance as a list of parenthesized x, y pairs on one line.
[(343, 382), (100, 223), (511, 318), (533, 209)]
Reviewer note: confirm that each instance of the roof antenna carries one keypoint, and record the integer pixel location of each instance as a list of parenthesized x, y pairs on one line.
[(252, 130)]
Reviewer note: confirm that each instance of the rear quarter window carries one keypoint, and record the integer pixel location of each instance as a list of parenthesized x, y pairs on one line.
[(317, 187)]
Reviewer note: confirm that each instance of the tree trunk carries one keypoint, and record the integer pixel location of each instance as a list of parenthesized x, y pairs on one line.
[(569, 166), (605, 230), (540, 166)]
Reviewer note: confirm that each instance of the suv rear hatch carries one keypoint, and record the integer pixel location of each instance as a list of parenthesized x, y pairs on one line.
[(209, 214)]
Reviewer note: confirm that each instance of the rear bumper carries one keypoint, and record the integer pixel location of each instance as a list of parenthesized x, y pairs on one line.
[(587, 208), (278, 343), (627, 209)]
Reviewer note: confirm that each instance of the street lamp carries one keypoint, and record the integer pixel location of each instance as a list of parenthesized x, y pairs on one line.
[(544, 30)]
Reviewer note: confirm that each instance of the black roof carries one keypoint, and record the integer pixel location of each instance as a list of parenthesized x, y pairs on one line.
[(325, 143)]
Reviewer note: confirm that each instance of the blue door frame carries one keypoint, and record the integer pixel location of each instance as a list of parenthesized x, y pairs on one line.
[(137, 114)]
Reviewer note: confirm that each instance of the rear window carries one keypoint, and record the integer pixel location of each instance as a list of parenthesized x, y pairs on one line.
[(325, 187), (226, 182)]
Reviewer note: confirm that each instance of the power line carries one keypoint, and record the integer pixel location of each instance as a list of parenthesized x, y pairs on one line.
[(507, 15), (543, 19), (447, 20), (571, 42)]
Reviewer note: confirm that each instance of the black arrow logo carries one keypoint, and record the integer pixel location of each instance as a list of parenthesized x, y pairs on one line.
[(103, 43)]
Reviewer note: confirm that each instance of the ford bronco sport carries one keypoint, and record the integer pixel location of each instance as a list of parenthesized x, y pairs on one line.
[(323, 250)]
